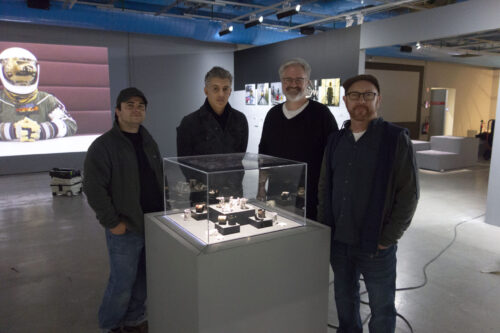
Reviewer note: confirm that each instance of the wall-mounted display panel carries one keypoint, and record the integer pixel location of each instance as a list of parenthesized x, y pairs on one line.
[(53, 98), (250, 98), (329, 92), (263, 93), (277, 95)]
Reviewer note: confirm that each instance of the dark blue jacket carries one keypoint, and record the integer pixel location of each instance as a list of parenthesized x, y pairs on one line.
[(394, 194)]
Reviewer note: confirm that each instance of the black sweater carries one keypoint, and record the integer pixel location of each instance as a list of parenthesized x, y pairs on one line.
[(302, 138), (201, 133)]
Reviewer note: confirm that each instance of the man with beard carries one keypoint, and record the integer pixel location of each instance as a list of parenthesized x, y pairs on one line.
[(297, 130), (215, 128), (368, 194)]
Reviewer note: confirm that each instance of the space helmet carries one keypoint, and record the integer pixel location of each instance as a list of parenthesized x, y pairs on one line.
[(19, 70)]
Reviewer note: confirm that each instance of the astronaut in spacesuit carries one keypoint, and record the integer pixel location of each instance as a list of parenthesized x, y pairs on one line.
[(27, 114)]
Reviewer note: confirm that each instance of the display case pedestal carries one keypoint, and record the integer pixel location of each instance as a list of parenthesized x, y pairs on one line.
[(275, 282)]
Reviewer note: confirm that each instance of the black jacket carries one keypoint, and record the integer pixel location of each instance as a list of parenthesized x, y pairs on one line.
[(201, 134), (394, 191), (111, 178)]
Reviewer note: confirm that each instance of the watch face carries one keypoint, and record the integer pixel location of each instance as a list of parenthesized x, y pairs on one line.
[(261, 213), (222, 219), (199, 207)]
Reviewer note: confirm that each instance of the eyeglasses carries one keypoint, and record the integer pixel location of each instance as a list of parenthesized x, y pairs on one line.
[(298, 81), (355, 95)]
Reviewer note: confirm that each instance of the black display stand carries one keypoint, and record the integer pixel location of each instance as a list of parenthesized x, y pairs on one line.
[(199, 216), (227, 229), (240, 216), (260, 223)]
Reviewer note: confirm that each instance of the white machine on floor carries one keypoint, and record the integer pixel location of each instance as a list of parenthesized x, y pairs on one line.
[(65, 182)]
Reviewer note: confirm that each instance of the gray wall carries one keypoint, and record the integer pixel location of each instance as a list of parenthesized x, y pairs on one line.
[(169, 70), (331, 54), (172, 73)]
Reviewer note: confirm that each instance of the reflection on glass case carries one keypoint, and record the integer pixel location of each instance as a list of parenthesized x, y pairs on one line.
[(215, 198)]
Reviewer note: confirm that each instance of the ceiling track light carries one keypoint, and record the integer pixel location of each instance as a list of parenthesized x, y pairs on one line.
[(288, 11), (360, 18), (349, 20), (225, 30), (253, 22), (308, 30)]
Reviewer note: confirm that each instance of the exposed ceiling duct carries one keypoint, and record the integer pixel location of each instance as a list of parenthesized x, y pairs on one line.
[(204, 19)]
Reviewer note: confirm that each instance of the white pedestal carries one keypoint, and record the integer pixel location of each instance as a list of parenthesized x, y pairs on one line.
[(276, 282)]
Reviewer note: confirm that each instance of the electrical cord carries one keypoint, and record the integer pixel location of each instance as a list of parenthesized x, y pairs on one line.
[(424, 270)]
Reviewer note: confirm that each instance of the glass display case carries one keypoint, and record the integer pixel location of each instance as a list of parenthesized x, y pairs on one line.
[(215, 198)]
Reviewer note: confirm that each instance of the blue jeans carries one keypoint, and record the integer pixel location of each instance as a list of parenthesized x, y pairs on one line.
[(379, 274), (124, 301)]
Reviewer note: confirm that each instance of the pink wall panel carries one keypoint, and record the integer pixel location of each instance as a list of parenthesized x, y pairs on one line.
[(81, 98), (92, 122), (63, 53), (73, 74)]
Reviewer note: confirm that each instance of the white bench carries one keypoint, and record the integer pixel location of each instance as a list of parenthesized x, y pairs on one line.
[(421, 145), (448, 152)]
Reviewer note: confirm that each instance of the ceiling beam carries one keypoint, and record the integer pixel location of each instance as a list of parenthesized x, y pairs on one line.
[(467, 42), (69, 3), (450, 50), (167, 8), (230, 3)]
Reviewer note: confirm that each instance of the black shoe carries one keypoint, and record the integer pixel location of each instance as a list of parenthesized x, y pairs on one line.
[(116, 330), (141, 328)]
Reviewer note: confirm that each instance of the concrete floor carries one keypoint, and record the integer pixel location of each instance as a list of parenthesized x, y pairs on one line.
[(53, 262)]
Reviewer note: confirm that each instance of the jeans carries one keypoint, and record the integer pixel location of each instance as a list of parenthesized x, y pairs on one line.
[(379, 274), (124, 301)]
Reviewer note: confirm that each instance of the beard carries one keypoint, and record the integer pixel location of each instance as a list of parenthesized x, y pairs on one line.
[(361, 113), (294, 94)]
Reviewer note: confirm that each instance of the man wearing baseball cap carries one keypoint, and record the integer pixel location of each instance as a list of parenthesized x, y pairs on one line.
[(123, 180)]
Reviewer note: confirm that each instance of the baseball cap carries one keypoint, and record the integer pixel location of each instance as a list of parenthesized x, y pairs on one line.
[(363, 77), (127, 93)]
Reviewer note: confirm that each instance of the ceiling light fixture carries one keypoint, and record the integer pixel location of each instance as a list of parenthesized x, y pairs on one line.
[(405, 48), (348, 21), (225, 30), (288, 11), (309, 30), (360, 18), (253, 22), (418, 46)]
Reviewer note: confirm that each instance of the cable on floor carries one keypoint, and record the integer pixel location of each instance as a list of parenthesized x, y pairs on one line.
[(424, 270)]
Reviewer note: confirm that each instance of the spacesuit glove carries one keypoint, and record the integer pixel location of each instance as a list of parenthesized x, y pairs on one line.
[(27, 130)]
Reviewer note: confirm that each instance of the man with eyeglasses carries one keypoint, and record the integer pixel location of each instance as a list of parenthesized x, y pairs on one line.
[(297, 130), (123, 180), (368, 194)]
